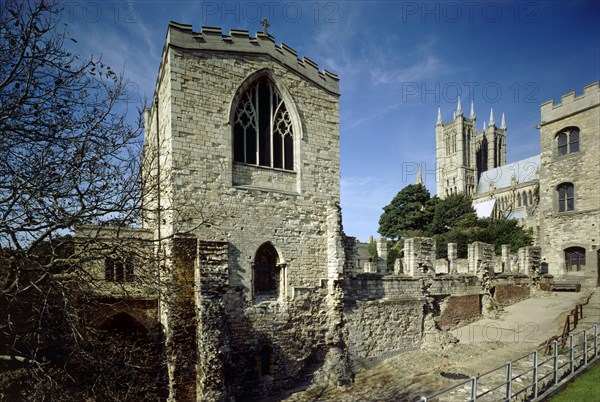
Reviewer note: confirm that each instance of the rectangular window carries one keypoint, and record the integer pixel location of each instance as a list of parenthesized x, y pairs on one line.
[(117, 270), (574, 142), (562, 144), (109, 269)]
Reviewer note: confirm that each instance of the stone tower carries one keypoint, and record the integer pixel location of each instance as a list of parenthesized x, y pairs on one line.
[(246, 138), (463, 154), (569, 185)]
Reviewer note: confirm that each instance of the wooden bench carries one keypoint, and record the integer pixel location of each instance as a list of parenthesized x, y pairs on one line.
[(573, 286)]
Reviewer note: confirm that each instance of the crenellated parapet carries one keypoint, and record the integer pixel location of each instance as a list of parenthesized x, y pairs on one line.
[(571, 103), (239, 41)]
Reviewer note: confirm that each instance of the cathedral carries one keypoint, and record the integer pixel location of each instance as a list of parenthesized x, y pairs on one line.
[(463, 154), (555, 193)]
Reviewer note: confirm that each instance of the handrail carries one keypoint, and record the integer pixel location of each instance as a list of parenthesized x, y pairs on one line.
[(582, 351)]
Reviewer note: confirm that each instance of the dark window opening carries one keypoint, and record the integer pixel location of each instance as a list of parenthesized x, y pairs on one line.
[(119, 270), (267, 272), (574, 141), (562, 144), (566, 197), (574, 258), (265, 360), (567, 141), (262, 128)]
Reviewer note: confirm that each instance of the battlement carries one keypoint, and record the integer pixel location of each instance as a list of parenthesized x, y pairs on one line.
[(571, 103), (239, 41)]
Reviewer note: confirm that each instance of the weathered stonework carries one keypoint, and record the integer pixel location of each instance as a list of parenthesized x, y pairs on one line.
[(249, 344), (459, 309), (419, 256), (259, 290), (579, 227), (481, 258)]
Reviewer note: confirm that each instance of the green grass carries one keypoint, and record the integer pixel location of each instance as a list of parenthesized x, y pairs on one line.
[(585, 388)]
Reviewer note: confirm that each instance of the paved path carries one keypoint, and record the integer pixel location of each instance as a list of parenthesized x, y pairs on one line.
[(533, 320)]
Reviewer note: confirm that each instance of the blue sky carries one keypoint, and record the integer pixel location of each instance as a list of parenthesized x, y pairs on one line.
[(397, 61)]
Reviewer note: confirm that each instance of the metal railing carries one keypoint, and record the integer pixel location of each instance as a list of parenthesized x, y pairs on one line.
[(531, 376)]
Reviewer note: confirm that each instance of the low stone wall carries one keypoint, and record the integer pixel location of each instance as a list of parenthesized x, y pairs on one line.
[(378, 329), (455, 284), (456, 310), (375, 287), (509, 294), (510, 288), (546, 282)]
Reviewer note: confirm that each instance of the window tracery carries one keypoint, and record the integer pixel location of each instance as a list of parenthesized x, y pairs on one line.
[(262, 128)]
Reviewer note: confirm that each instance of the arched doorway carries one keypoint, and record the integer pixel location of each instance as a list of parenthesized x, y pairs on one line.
[(267, 271)]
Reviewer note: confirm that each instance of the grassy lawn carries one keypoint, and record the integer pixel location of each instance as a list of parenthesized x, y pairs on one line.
[(585, 388)]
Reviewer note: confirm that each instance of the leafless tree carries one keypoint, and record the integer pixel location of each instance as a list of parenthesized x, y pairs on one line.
[(69, 155)]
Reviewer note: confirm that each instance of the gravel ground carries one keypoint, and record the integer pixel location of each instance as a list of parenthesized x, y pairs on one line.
[(409, 375)]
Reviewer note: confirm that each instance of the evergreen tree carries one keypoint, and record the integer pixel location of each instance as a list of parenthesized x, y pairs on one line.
[(455, 211), (410, 210)]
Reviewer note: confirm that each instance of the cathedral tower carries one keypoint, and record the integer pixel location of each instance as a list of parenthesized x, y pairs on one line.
[(463, 154)]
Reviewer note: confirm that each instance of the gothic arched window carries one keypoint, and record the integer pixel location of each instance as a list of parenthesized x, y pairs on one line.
[(566, 197), (567, 141), (262, 128), (267, 271), (574, 258)]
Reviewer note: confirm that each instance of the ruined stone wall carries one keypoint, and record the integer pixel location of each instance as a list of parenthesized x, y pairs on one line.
[(456, 310), (509, 293), (481, 257), (381, 328), (419, 255), (294, 330)]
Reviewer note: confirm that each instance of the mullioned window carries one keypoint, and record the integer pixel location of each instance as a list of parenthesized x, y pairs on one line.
[(262, 128)]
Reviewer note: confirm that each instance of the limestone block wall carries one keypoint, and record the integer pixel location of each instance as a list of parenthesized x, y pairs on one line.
[(385, 313), (295, 331), (481, 257), (260, 345), (581, 226), (418, 252), (381, 328), (251, 204)]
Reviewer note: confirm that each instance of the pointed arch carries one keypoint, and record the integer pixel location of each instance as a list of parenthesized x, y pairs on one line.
[(265, 123)]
